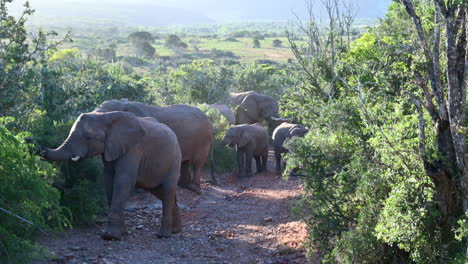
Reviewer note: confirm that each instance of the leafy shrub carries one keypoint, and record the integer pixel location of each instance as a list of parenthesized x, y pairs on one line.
[(224, 156), (200, 81), (216, 53), (135, 61), (25, 190)]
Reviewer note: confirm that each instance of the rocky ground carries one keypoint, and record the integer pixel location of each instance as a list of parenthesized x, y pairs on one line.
[(238, 221)]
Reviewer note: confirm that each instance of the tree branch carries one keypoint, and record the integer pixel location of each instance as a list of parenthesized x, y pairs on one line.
[(438, 92)]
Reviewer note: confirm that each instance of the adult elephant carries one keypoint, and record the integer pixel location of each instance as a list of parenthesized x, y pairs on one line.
[(136, 152), (280, 135), (192, 127), (253, 107)]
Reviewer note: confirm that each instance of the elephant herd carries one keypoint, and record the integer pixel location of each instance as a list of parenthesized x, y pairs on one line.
[(153, 148)]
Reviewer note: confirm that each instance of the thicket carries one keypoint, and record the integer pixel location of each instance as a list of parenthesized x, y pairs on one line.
[(29, 204), (371, 193)]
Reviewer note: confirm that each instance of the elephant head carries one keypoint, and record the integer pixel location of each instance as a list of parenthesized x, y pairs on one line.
[(235, 136), (298, 131), (92, 134), (256, 107)]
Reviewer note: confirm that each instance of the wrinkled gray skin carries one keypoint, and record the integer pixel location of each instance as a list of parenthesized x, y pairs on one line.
[(251, 142), (253, 107), (136, 152), (191, 126), (226, 112), (280, 135)]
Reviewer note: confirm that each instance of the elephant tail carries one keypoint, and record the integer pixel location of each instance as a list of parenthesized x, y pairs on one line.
[(212, 165)]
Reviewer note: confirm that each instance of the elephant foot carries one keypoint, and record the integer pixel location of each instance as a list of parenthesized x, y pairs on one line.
[(177, 228), (110, 236), (193, 187), (164, 234), (114, 233)]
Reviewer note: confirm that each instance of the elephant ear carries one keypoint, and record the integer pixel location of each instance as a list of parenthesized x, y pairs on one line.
[(250, 107), (123, 132), (243, 138), (298, 131)]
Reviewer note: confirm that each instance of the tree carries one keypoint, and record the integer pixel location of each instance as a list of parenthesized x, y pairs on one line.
[(277, 43), (175, 42), (142, 40), (141, 36), (256, 43), (148, 50), (443, 95)]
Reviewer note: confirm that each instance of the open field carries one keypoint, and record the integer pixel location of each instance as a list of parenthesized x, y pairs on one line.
[(243, 49)]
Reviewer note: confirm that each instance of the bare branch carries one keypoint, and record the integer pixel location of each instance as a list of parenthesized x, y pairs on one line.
[(438, 92)]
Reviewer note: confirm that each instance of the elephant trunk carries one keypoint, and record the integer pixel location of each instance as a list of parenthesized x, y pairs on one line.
[(61, 153)]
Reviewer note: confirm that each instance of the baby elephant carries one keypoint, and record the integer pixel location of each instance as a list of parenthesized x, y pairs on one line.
[(136, 152), (251, 142), (281, 133)]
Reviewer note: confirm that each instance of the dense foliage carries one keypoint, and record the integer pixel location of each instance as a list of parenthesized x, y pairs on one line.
[(371, 195), (26, 192)]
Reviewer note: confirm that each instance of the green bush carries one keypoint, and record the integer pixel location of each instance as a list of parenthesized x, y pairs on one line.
[(25, 190), (224, 156)]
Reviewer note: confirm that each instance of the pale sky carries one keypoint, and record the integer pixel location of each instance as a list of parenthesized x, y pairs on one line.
[(220, 10)]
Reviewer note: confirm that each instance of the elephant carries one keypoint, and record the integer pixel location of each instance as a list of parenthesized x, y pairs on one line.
[(226, 112), (192, 127), (254, 107), (251, 141), (280, 135), (136, 153)]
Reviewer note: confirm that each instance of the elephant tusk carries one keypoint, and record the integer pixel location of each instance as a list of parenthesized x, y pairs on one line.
[(76, 158), (281, 119)]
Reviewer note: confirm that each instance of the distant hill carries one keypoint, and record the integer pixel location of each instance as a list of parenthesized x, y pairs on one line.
[(171, 12)]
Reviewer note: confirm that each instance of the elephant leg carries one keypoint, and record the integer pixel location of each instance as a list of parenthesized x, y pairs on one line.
[(170, 221), (241, 162), (108, 180), (124, 181), (197, 173), (278, 162), (185, 176), (176, 225), (258, 162), (265, 161), (248, 164)]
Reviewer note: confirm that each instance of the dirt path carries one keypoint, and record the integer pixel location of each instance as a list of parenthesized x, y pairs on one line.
[(238, 221)]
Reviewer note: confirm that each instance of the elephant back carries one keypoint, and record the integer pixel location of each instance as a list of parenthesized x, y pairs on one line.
[(192, 127), (237, 98)]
